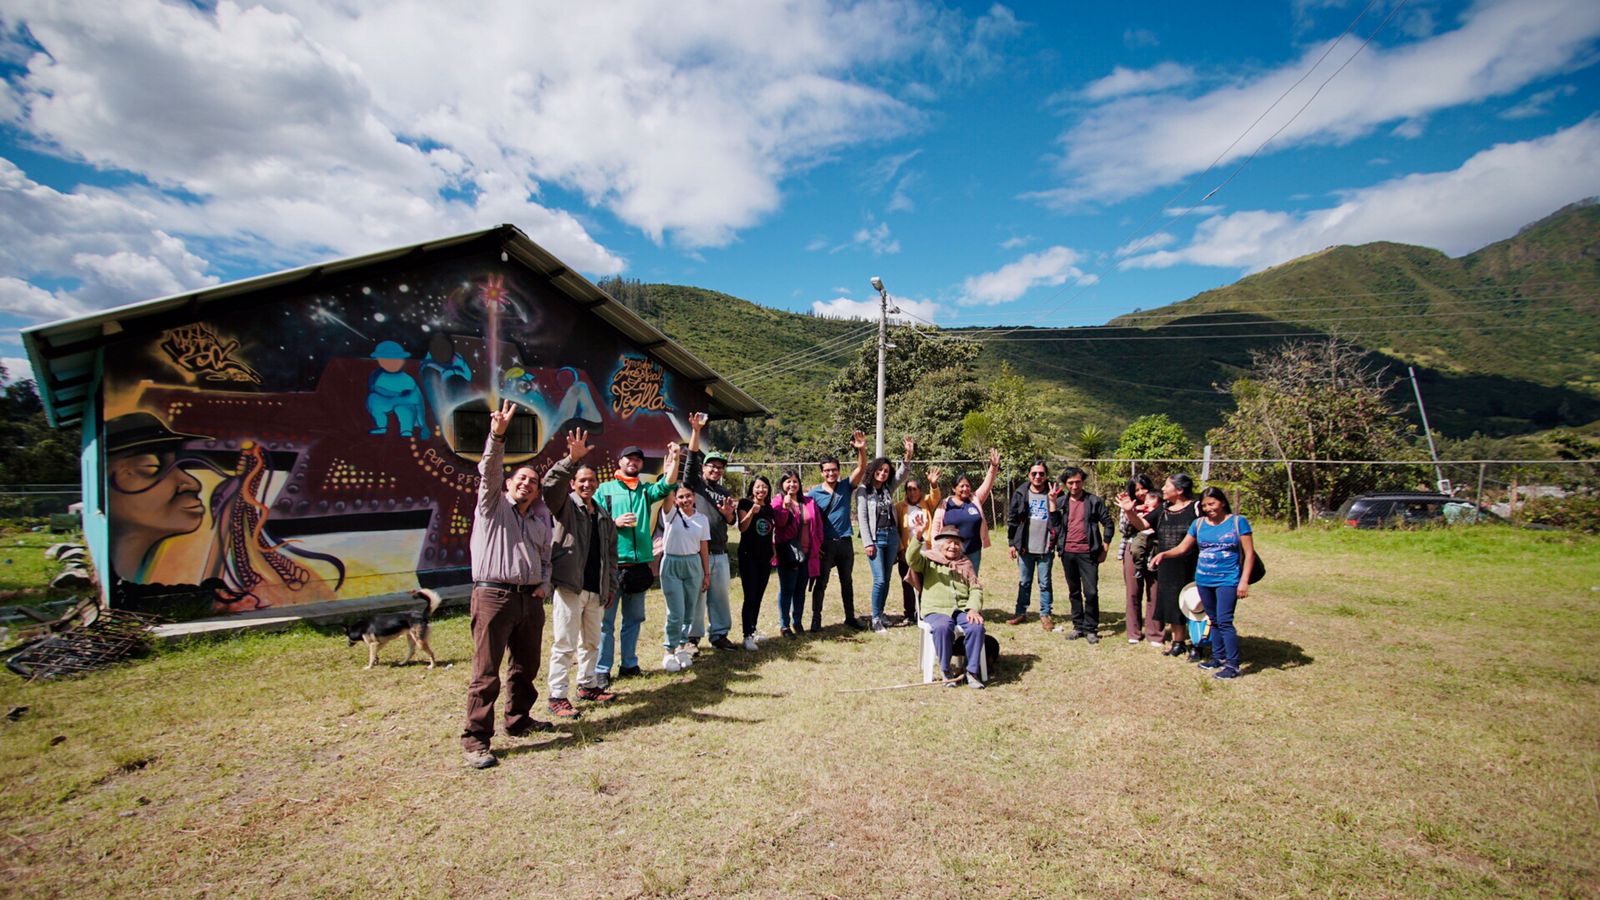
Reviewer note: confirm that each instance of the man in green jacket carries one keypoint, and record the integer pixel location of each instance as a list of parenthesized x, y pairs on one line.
[(627, 500)]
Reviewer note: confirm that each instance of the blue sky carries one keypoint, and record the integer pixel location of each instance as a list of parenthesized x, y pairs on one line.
[(1033, 163)]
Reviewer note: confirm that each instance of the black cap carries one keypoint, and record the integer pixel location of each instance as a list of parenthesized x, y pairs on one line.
[(143, 431), (630, 450)]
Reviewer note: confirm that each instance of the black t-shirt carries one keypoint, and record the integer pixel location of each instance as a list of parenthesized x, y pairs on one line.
[(756, 542), (591, 566)]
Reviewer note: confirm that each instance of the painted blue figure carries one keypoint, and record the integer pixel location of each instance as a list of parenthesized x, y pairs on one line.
[(392, 390)]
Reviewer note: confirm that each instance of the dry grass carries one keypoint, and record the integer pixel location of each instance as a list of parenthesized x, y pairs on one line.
[(1418, 716)]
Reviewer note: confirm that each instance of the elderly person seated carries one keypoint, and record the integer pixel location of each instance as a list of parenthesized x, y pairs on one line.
[(951, 596)]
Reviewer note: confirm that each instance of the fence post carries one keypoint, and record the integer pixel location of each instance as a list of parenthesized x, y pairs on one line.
[(1481, 467)]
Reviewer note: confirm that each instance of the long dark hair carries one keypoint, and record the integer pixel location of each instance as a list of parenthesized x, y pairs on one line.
[(1140, 481), (750, 489), (1215, 493), (872, 472), (1183, 483), (788, 474)]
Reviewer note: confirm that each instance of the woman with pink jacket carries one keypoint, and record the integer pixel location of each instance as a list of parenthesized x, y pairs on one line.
[(797, 550)]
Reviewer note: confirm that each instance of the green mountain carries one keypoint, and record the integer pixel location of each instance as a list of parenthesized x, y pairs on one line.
[(1505, 340)]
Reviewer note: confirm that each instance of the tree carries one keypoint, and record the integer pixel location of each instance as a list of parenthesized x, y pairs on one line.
[(1005, 420), (917, 361), (1154, 437), (1321, 401), (1091, 441)]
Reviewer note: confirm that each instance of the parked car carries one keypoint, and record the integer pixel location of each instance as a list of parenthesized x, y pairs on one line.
[(1411, 508)]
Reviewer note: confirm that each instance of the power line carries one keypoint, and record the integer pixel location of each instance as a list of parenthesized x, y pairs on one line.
[(785, 359)]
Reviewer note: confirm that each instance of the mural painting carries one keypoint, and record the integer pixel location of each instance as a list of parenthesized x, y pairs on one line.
[(325, 447)]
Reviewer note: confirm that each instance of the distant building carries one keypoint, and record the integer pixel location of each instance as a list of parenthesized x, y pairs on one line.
[(312, 436)]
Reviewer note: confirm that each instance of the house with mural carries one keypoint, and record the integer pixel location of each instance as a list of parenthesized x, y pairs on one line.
[(313, 436)]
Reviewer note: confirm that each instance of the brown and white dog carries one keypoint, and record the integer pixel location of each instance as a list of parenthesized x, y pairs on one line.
[(381, 629)]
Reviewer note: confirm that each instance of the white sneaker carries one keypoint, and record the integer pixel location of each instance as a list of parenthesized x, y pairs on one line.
[(750, 643), (671, 662), (685, 659), (878, 627)]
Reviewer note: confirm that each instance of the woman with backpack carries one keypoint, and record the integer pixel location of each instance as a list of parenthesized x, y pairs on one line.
[(1170, 521), (1222, 574)]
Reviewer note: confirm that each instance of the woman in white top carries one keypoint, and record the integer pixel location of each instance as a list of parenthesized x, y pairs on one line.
[(685, 572)]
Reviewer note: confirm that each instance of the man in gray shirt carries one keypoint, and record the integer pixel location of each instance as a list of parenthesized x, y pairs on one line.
[(713, 500), (510, 543), (1029, 523)]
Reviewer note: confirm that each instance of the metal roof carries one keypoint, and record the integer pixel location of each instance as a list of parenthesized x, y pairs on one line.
[(63, 354)]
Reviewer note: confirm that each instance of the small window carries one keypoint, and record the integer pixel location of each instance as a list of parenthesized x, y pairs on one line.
[(471, 429)]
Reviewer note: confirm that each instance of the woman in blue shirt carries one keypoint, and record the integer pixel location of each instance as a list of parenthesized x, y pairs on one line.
[(1222, 573)]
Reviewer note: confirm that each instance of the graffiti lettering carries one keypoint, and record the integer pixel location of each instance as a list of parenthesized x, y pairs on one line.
[(197, 350), (636, 386)]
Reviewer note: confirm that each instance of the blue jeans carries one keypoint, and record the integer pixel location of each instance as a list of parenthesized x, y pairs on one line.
[(882, 565), (1027, 565), (632, 606), (680, 584), (792, 596), (713, 601), (1219, 603), (943, 630), (977, 558)]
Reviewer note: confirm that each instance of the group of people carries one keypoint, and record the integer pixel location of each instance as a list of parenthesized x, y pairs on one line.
[(593, 549)]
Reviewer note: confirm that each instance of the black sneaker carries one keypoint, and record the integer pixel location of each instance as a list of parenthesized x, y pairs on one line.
[(1074, 635), (1226, 672), (1195, 654), (629, 672), (853, 624), (721, 642), (1211, 664), (877, 625)]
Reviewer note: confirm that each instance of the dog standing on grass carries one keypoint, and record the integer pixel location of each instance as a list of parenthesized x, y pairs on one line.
[(381, 629)]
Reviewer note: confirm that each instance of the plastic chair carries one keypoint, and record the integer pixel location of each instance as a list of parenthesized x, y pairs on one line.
[(929, 659)]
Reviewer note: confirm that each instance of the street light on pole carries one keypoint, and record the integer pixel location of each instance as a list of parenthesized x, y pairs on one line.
[(883, 348)]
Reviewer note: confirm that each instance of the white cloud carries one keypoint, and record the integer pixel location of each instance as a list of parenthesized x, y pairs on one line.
[(1538, 103), (1050, 267), (1488, 198), (1145, 244), (846, 308), (1134, 144), (17, 369), (1124, 81), (104, 243), (1017, 242), (1199, 209), (299, 129), (876, 238), (1136, 38)]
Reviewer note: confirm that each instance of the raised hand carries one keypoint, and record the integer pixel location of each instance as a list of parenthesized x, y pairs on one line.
[(910, 445), (1127, 503), (501, 420), (933, 476), (698, 421), (578, 445), (994, 458), (672, 451), (859, 440)]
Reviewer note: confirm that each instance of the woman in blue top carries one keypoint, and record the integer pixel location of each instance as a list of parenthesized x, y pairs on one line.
[(1222, 573)]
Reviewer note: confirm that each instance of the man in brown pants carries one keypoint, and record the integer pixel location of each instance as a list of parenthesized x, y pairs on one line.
[(511, 536)]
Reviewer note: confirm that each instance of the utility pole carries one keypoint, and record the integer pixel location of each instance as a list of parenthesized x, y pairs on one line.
[(883, 351), (1438, 473)]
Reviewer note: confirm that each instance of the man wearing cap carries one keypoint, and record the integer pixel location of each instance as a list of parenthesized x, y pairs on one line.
[(712, 499), (583, 563), (627, 500), (510, 542), (833, 499), (951, 597)]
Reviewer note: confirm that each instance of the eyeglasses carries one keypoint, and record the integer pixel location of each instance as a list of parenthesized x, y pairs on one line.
[(1038, 474)]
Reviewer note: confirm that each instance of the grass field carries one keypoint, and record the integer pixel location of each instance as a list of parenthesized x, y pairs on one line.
[(1418, 716)]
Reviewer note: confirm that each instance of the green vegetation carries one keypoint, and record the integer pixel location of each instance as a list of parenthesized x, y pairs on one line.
[(1415, 719), (1503, 340), (25, 572)]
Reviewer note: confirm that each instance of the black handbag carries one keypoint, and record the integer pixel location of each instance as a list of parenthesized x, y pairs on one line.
[(1258, 568)]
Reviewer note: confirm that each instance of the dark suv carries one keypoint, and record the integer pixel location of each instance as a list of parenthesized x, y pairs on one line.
[(1406, 508)]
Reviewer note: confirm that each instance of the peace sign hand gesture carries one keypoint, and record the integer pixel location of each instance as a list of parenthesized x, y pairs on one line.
[(501, 420)]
